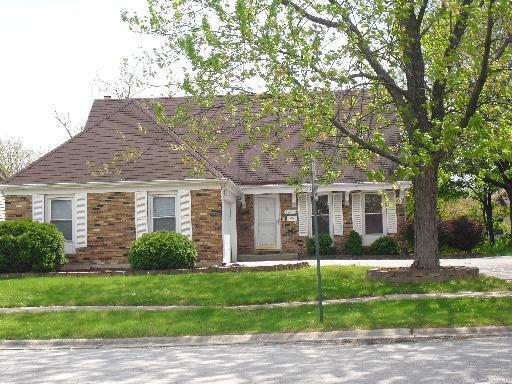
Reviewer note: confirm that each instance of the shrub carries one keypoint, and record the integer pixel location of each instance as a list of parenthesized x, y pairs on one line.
[(26, 246), (461, 233), (354, 244), (384, 245), (465, 233), (163, 250), (324, 243)]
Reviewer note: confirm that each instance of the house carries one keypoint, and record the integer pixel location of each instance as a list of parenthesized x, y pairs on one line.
[(2, 199), (125, 175)]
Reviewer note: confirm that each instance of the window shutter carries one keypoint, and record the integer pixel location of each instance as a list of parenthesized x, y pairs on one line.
[(391, 212), (337, 214), (141, 213), (81, 220), (185, 213), (38, 208), (2, 207), (303, 215), (357, 213)]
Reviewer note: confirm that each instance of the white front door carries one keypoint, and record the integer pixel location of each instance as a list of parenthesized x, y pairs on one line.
[(267, 222)]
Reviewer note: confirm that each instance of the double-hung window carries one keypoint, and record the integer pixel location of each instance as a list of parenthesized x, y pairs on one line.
[(323, 215), (61, 215), (373, 218), (163, 213)]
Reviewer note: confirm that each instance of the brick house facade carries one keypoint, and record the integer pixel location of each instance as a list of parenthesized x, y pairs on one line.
[(230, 210)]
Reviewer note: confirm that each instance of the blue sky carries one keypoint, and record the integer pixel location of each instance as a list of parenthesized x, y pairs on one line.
[(51, 52)]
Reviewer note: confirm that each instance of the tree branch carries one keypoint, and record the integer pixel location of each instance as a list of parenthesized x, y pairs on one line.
[(484, 71), (365, 144)]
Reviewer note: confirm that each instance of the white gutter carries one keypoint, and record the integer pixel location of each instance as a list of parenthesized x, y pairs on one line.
[(335, 187)]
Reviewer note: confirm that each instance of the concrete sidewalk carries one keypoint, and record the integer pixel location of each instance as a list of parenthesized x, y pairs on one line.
[(406, 296), (373, 336)]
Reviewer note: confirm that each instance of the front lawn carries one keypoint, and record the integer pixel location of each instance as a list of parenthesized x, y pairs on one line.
[(216, 288), (212, 321)]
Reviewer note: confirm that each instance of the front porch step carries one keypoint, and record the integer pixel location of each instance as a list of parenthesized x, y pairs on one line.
[(269, 257)]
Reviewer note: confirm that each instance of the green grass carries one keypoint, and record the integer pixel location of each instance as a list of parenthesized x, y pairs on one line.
[(216, 288), (212, 321)]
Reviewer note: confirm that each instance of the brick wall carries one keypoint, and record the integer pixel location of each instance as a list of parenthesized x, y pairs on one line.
[(207, 223), (291, 242), (18, 207), (110, 229)]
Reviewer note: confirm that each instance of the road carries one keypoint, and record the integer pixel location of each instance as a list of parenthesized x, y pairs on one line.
[(485, 360), (500, 266)]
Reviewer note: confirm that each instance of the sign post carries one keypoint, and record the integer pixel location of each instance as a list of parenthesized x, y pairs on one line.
[(314, 189)]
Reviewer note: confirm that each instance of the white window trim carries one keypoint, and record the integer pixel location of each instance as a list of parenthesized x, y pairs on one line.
[(69, 245), (331, 217), (176, 209), (371, 237)]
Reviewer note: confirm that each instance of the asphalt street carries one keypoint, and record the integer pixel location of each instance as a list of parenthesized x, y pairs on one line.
[(483, 360)]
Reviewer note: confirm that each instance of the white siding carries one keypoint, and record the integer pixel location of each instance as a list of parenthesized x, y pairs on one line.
[(38, 208), (185, 213), (303, 214), (337, 214), (141, 213), (81, 220), (357, 213), (391, 212)]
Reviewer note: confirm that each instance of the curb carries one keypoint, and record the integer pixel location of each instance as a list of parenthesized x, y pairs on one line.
[(373, 336)]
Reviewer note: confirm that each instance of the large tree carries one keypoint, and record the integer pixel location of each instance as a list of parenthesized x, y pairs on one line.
[(422, 63)]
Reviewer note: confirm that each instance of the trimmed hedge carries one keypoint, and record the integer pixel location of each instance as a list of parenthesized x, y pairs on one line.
[(354, 244), (324, 244), (384, 245), (162, 250), (27, 246)]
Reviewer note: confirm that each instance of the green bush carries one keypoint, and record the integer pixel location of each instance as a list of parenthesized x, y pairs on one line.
[(26, 246), (324, 244), (354, 244), (163, 250), (384, 245)]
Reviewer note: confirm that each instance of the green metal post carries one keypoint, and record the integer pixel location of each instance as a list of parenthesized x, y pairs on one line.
[(314, 189)]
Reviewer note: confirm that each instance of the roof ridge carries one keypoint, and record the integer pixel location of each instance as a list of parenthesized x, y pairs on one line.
[(83, 131), (178, 138)]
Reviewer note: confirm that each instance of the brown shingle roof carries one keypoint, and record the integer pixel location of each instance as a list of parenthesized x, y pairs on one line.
[(122, 141)]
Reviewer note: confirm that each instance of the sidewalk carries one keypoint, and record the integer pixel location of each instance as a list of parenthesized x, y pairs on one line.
[(373, 336), (412, 296)]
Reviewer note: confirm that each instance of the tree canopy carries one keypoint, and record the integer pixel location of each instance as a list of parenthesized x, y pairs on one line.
[(427, 62)]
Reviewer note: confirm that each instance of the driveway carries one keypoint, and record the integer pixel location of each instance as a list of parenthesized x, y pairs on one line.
[(500, 266), (460, 361)]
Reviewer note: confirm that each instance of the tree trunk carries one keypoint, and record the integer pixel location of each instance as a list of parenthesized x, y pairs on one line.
[(488, 216), (426, 248)]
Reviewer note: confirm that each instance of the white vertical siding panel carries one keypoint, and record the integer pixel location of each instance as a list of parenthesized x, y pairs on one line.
[(38, 208), (337, 214), (141, 213), (357, 212), (392, 223), (81, 220), (185, 213), (303, 214)]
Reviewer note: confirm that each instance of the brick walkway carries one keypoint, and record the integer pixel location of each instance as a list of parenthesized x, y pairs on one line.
[(413, 296)]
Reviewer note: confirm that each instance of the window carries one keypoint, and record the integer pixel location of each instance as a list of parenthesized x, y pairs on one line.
[(322, 208), (163, 213), (61, 215), (373, 214)]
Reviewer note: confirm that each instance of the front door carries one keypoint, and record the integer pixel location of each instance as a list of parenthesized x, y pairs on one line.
[(267, 218)]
